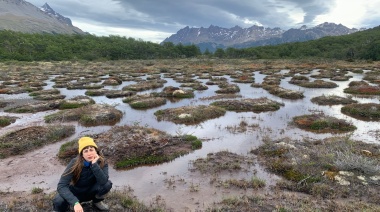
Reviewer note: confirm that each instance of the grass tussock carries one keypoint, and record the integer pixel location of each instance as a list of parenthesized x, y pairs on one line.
[(190, 114), (128, 147), (332, 100), (27, 139), (90, 115), (365, 111), (322, 124), (332, 168), (254, 105)]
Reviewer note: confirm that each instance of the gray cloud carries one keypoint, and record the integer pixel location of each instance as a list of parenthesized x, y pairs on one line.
[(168, 16)]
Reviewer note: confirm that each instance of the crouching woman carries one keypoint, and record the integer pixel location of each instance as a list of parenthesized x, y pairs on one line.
[(84, 179)]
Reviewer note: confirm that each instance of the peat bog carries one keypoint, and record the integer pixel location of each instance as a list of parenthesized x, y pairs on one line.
[(221, 135)]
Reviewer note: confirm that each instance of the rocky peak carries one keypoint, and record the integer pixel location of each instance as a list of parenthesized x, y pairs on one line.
[(49, 11)]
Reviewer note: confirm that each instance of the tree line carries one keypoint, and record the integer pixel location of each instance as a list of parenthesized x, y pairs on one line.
[(58, 47), (364, 45)]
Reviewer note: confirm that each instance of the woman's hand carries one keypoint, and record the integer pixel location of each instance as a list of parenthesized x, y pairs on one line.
[(96, 158), (78, 208)]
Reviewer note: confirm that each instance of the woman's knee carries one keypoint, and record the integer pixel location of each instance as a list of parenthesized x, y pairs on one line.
[(107, 187), (59, 203)]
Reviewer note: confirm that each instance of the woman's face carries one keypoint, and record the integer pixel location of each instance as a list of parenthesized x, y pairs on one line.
[(89, 153)]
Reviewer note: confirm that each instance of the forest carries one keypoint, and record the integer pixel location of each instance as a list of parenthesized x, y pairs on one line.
[(363, 45)]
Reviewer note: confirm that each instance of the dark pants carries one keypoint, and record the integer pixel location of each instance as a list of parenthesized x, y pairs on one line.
[(60, 204)]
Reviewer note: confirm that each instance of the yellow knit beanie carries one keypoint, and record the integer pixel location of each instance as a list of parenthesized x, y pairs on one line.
[(84, 142)]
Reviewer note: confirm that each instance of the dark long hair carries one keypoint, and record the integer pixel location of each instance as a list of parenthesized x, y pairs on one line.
[(76, 169)]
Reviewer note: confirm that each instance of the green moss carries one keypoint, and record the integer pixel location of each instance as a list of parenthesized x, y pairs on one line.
[(145, 160), (184, 95), (189, 137), (197, 144), (66, 105), (87, 120), (46, 135), (36, 190), (159, 113), (365, 111), (319, 125), (65, 147), (4, 122), (138, 105)]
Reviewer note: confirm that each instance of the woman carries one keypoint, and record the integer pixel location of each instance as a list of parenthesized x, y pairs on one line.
[(84, 179)]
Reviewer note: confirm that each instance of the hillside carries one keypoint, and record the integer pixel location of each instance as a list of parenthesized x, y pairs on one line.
[(22, 16)]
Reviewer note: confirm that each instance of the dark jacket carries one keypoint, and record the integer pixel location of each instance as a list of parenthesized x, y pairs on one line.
[(89, 177)]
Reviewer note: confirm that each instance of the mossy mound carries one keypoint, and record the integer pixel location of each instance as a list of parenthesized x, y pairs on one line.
[(195, 85), (216, 80), (83, 85), (30, 138), (45, 92), (269, 71), (332, 100), (131, 146), (284, 93), (373, 76), (318, 84), (112, 81), (221, 96), (145, 85), (365, 111), (90, 115), (76, 102), (189, 114), (15, 90), (3, 104), (49, 97), (245, 105), (118, 94), (184, 79), (338, 75), (320, 123), (272, 80), (228, 88), (96, 92), (174, 92), (144, 101), (7, 120), (341, 78), (299, 79), (362, 88), (35, 107), (244, 79)]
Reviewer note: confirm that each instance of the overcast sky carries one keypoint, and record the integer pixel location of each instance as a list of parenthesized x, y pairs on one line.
[(155, 20)]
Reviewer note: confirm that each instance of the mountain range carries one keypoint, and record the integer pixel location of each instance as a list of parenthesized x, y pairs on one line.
[(215, 37), (22, 16)]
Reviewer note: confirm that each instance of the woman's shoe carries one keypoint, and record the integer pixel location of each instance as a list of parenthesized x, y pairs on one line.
[(101, 206)]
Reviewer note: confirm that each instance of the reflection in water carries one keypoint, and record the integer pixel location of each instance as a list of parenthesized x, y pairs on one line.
[(149, 182)]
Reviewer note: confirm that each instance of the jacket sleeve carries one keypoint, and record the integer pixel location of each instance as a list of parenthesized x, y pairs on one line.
[(101, 174), (64, 183)]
